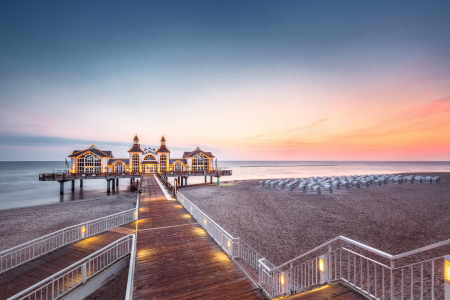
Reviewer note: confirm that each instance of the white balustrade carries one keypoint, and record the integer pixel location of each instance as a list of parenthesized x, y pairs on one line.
[(65, 281), (20, 254)]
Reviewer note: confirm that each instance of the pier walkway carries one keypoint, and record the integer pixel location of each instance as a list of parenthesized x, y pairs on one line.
[(26, 275), (177, 259)]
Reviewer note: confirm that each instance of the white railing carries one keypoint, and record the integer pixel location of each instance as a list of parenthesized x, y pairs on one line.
[(68, 279), (225, 240), (370, 271), (20, 254), (373, 273)]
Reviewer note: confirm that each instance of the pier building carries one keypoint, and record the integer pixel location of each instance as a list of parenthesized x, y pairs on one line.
[(95, 163), (94, 160)]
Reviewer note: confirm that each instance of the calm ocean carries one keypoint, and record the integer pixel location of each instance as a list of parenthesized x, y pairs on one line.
[(20, 185)]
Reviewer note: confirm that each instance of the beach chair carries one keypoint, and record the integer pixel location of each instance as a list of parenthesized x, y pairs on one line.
[(261, 183), (418, 179), (335, 184), (377, 182), (397, 180), (290, 187), (309, 187), (316, 189), (327, 189), (427, 179), (302, 188), (355, 184), (364, 183), (435, 179)]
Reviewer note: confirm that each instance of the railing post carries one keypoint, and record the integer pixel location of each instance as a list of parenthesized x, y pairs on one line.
[(392, 279), (291, 279), (447, 277), (83, 273), (329, 263)]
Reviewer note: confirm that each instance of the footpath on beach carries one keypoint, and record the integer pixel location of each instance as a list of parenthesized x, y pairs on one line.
[(176, 258)]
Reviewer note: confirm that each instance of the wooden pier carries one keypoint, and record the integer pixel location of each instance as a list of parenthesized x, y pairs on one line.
[(112, 179), (177, 259)]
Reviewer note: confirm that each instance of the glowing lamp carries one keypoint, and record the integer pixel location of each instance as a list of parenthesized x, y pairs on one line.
[(204, 221), (229, 244), (83, 229), (321, 265), (191, 208), (135, 213), (447, 268), (282, 279)]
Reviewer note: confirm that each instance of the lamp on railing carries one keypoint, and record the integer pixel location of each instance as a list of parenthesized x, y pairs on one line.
[(447, 277), (83, 232), (135, 215), (323, 269)]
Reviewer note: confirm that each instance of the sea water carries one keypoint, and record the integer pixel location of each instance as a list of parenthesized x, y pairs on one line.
[(20, 185)]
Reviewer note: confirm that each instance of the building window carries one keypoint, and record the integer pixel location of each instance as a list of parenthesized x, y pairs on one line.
[(89, 164), (178, 167), (162, 163), (200, 163), (149, 157), (118, 167), (136, 161)]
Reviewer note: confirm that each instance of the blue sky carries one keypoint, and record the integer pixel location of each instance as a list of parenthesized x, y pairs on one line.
[(220, 73)]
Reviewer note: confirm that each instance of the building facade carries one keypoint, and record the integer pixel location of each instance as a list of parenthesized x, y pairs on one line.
[(94, 160)]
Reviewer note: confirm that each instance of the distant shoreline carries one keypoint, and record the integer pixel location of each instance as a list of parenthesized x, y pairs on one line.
[(290, 166)]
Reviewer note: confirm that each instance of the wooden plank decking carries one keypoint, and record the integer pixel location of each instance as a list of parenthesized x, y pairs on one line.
[(177, 259), (30, 273), (335, 292)]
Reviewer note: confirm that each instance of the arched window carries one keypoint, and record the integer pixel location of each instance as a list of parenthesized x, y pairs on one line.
[(118, 167), (178, 167), (163, 163), (136, 162), (149, 157), (89, 164), (200, 163)]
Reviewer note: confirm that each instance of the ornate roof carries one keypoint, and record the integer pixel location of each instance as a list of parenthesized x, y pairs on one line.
[(173, 160), (93, 150), (136, 148), (114, 160), (163, 139), (136, 138), (196, 152), (163, 149)]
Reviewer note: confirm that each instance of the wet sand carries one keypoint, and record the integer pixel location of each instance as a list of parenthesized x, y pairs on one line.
[(20, 225), (283, 224)]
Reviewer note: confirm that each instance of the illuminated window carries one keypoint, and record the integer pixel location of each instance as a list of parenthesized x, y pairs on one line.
[(118, 168), (178, 167), (89, 164), (149, 157), (136, 161), (163, 163), (200, 163)]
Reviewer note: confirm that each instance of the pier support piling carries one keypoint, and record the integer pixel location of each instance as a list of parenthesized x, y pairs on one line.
[(211, 180), (206, 178), (218, 180), (117, 181), (81, 182), (113, 185), (108, 186), (73, 185), (61, 187), (131, 180), (185, 181)]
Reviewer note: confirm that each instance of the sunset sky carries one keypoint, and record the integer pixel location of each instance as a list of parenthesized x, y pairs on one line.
[(247, 80)]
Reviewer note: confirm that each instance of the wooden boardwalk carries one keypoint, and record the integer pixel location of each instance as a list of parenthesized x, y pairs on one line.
[(177, 259), (30, 273), (335, 292)]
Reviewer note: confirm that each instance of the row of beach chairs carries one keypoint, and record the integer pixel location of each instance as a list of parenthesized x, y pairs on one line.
[(328, 184)]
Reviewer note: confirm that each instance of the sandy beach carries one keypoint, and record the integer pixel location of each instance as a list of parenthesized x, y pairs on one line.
[(283, 224), (24, 224)]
